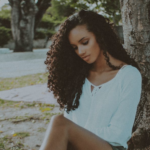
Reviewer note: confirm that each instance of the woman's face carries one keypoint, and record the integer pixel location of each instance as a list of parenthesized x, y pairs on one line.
[(84, 44)]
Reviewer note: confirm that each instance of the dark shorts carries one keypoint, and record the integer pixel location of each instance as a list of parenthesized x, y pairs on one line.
[(118, 147)]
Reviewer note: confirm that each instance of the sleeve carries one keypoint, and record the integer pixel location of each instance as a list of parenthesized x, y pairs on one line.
[(120, 126)]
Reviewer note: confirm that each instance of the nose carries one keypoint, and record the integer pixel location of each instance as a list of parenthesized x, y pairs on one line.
[(81, 50)]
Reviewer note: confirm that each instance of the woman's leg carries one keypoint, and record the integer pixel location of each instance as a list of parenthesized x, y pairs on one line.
[(63, 134)]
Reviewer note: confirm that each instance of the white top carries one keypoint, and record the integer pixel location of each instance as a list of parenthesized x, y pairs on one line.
[(109, 111)]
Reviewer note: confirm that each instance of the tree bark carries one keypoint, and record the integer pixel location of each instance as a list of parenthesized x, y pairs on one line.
[(22, 24), (136, 28), (42, 5), (25, 17)]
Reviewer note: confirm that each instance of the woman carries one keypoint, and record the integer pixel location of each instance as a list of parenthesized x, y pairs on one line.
[(96, 82)]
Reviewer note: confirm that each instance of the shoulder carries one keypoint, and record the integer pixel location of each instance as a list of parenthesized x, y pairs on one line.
[(129, 72), (130, 76)]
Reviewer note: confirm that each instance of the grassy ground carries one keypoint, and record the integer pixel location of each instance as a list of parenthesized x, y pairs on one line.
[(23, 124), (10, 83), (23, 128)]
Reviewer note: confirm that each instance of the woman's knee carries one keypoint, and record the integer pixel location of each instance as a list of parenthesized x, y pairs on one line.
[(58, 120)]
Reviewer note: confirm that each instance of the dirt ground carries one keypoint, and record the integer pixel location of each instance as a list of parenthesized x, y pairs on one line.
[(23, 124)]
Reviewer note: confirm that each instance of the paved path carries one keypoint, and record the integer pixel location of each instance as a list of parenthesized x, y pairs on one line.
[(20, 64), (15, 65), (38, 93), (21, 68)]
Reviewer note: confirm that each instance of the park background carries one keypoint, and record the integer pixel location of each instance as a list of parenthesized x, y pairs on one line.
[(26, 106)]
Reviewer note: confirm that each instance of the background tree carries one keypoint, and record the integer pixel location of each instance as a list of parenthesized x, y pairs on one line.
[(109, 8), (112, 8), (136, 27), (23, 14), (5, 32), (61, 9), (27, 16), (58, 12)]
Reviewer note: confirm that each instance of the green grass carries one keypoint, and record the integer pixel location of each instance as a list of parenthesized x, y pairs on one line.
[(5, 103), (16, 104), (21, 134), (41, 129), (11, 83), (2, 141), (5, 142), (1, 144), (19, 104)]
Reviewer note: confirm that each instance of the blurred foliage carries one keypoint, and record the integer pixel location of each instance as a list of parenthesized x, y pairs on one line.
[(46, 27), (42, 33), (58, 12), (5, 15), (5, 35), (5, 12), (48, 22), (5, 25), (108, 8), (61, 9), (112, 8)]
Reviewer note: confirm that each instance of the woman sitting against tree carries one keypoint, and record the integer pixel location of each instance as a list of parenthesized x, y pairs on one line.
[(97, 84)]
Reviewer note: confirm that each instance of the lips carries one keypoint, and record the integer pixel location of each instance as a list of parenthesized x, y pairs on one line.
[(86, 58)]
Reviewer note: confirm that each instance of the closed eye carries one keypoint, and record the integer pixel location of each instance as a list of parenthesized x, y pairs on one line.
[(85, 43)]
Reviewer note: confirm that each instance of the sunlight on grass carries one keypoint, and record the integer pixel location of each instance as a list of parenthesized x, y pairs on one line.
[(21, 134), (20, 104), (11, 83), (4, 103), (41, 129)]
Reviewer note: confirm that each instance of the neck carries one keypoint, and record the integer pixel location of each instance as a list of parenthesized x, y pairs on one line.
[(100, 65)]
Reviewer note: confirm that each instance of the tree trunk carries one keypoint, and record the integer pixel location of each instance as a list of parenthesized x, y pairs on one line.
[(22, 24), (25, 17), (136, 28), (42, 5)]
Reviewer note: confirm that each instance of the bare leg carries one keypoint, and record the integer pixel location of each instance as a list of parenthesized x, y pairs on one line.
[(63, 134), (56, 137)]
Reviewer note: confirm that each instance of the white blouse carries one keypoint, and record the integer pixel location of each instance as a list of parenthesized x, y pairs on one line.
[(109, 110)]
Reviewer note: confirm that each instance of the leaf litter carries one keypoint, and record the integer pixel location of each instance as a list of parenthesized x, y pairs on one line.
[(26, 129)]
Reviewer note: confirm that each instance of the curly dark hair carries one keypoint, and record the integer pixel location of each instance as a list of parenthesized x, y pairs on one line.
[(67, 71)]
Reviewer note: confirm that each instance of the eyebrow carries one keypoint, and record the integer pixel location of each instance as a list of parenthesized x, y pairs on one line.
[(80, 40)]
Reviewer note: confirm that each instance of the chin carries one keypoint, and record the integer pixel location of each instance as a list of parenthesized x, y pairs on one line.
[(89, 62)]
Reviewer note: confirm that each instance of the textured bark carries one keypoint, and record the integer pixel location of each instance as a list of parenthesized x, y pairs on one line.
[(136, 28), (25, 15), (22, 24), (42, 7)]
